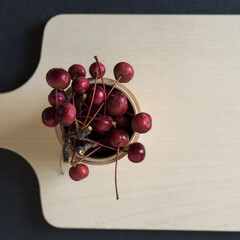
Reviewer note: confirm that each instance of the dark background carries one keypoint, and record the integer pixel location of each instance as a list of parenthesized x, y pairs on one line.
[(21, 28)]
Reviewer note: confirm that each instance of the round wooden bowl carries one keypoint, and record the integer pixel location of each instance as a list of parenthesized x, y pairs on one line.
[(136, 109)]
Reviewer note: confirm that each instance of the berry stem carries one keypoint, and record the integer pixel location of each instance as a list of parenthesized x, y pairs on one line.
[(90, 107), (75, 75), (76, 124), (117, 196), (89, 154), (102, 145), (56, 96), (79, 121), (114, 86), (81, 112), (105, 99), (130, 114), (96, 119)]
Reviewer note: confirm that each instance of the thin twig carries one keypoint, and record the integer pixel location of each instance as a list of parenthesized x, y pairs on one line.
[(94, 90), (130, 114), (98, 119), (81, 112), (79, 121), (102, 145), (104, 89), (114, 86), (89, 154), (103, 103), (76, 124), (117, 196)]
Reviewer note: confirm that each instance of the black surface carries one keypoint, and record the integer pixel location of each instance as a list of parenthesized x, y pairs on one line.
[(21, 25)]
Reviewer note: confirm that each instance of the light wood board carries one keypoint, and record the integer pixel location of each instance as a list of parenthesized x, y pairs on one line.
[(187, 76)]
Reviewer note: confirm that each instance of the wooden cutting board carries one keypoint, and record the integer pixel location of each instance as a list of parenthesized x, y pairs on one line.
[(187, 76)]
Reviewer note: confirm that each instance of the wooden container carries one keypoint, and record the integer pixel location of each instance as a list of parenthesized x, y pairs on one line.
[(136, 109)]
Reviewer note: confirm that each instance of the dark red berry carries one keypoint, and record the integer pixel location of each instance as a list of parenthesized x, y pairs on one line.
[(123, 70), (77, 70), (94, 70), (48, 117), (117, 103), (136, 152), (80, 85), (65, 114), (102, 123), (58, 78), (48, 73), (122, 121), (99, 96), (118, 138), (79, 172), (142, 122), (61, 97)]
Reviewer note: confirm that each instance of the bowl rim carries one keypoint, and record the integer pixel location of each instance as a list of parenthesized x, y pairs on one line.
[(136, 109)]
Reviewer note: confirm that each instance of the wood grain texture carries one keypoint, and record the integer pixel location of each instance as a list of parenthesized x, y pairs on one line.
[(187, 77)]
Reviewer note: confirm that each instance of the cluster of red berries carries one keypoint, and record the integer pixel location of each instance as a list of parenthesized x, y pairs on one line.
[(105, 108)]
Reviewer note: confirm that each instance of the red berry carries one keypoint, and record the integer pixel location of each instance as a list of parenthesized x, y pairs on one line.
[(48, 117), (77, 70), (48, 73), (125, 70), (65, 114), (58, 78), (79, 172), (118, 138), (102, 123), (142, 122), (61, 97), (94, 70), (80, 85), (122, 121), (99, 95), (117, 103), (136, 152)]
